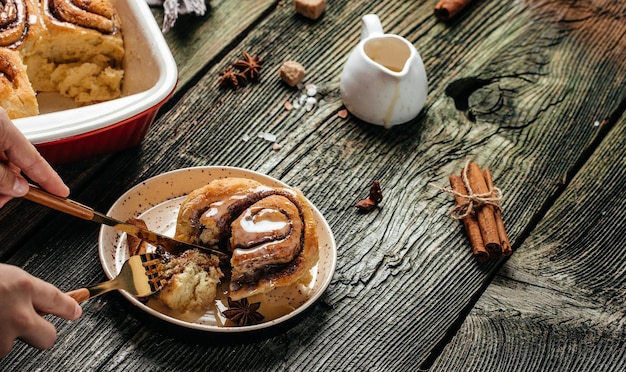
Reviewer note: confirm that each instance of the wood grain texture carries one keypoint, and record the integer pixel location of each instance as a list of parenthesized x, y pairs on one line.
[(559, 302), (515, 85), (23, 219), (196, 41)]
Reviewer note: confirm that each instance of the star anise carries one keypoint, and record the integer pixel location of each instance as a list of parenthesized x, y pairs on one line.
[(230, 77), (243, 313), (250, 66), (374, 198)]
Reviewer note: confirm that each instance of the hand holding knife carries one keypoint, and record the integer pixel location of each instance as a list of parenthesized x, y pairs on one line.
[(73, 208)]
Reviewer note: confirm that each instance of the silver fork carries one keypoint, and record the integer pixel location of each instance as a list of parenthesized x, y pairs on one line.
[(140, 276)]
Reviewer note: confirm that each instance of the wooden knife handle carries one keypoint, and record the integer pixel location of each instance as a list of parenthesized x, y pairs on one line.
[(80, 295), (39, 196)]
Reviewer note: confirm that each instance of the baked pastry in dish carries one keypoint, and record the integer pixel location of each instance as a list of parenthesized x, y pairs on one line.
[(269, 232), (20, 24), (73, 47), (16, 94)]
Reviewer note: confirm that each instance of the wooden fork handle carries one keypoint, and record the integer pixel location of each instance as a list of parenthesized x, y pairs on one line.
[(39, 196), (80, 295)]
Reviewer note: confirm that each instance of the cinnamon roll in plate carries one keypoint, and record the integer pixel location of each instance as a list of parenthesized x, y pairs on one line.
[(281, 251), (269, 232)]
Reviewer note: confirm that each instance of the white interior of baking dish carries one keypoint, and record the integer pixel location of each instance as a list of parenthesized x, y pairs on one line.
[(150, 75)]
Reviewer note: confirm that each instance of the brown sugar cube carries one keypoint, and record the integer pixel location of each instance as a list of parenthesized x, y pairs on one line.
[(292, 73), (310, 8)]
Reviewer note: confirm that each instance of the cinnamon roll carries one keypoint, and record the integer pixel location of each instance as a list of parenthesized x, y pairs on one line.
[(82, 53), (269, 232), (94, 14), (20, 30), (20, 25), (73, 47), (16, 95)]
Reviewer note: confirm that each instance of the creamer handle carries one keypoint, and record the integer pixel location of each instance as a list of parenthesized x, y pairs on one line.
[(370, 25)]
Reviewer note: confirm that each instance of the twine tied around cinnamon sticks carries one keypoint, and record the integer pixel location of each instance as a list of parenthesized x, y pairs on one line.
[(478, 207), (467, 200)]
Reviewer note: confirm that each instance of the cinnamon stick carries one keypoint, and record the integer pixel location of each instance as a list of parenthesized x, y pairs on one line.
[(504, 238), (485, 214), (448, 9), (470, 223)]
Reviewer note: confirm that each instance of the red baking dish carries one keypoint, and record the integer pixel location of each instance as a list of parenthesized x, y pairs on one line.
[(65, 132)]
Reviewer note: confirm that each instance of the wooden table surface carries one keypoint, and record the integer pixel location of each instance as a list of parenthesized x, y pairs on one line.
[(535, 90)]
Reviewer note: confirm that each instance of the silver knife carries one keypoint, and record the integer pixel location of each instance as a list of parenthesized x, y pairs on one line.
[(76, 209)]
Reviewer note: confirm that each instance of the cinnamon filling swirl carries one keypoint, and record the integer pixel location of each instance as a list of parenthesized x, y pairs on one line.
[(13, 22), (93, 14), (267, 233)]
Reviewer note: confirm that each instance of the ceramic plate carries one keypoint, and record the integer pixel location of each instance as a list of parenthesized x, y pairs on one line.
[(157, 201)]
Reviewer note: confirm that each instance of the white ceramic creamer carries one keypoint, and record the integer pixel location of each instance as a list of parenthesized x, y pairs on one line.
[(383, 81)]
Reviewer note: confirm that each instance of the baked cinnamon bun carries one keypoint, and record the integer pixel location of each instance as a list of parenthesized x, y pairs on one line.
[(16, 95), (20, 30), (20, 25), (73, 47), (95, 14), (269, 232), (82, 52)]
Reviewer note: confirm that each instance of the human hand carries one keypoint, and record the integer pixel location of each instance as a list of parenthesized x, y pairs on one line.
[(18, 155), (23, 298)]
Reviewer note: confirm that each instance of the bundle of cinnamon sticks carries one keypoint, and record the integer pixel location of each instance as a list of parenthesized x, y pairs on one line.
[(478, 207)]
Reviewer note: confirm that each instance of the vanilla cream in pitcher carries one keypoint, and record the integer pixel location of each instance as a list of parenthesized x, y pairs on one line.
[(383, 81)]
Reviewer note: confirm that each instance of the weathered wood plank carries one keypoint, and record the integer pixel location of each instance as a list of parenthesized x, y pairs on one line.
[(24, 219), (196, 41), (405, 271), (558, 302)]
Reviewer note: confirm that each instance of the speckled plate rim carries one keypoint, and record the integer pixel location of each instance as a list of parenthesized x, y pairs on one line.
[(178, 183)]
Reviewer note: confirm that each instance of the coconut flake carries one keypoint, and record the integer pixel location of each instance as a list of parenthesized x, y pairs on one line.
[(269, 137), (310, 102)]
